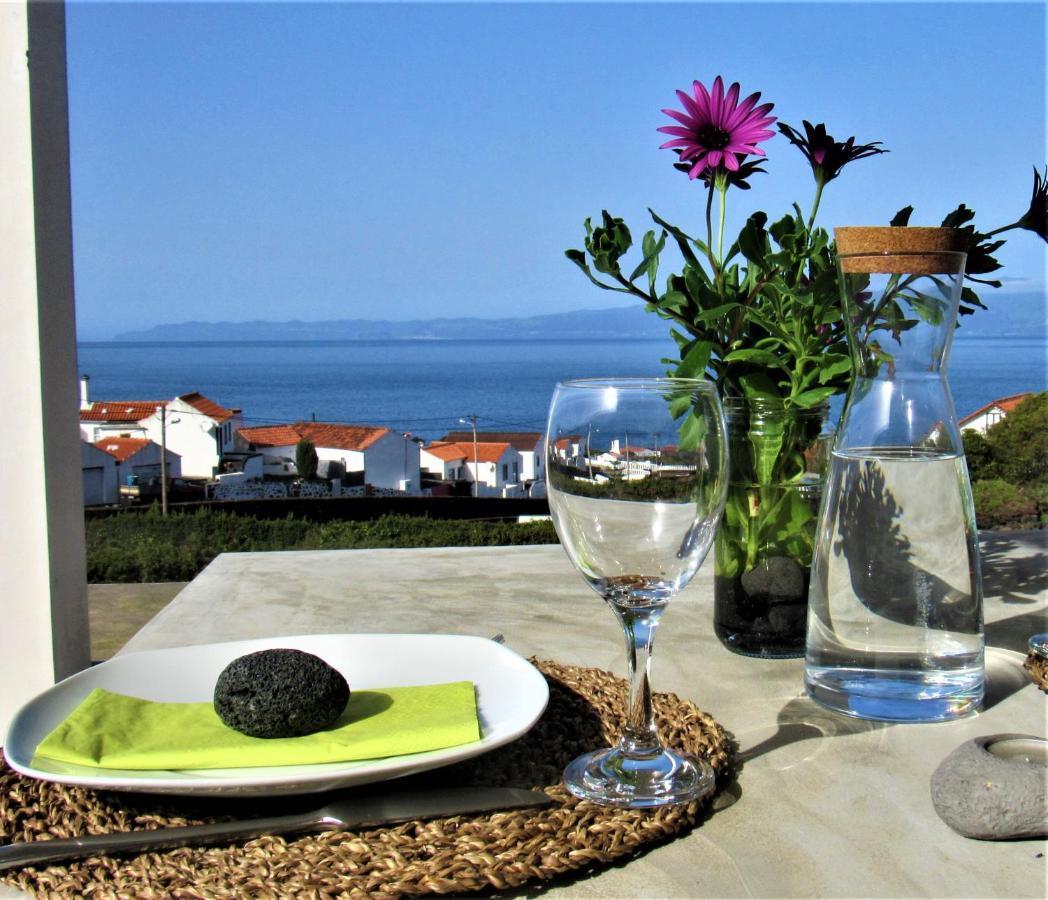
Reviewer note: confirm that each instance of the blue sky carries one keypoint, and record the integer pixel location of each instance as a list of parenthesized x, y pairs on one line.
[(392, 160)]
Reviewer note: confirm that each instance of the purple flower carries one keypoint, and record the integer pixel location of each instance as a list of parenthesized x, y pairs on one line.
[(1036, 217), (715, 129), (827, 156)]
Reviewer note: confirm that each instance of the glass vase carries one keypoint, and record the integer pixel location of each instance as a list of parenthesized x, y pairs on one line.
[(764, 544), (895, 622)]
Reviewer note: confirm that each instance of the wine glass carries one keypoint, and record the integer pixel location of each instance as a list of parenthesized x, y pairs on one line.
[(636, 479)]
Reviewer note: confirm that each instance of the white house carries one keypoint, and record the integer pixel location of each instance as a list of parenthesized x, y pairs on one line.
[(992, 413), (139, 457), (197, 429), (101, 481), (528, 444), (493, 465), (446, 460), (386, 459)]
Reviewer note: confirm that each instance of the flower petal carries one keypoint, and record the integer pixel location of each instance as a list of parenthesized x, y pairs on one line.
[(696, 169), (717, 102), (690, 105), (683, 118), (677, 130), (714, 157), (731, 162), (742, 112), (702, 98), (677, 142), (731, 100)]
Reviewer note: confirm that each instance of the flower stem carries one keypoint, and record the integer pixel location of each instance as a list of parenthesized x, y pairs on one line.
[(709, 228), (819, 185), (722, 190), (999, 230)]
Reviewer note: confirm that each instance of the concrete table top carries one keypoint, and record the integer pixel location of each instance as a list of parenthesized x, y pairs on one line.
[(826, 806)]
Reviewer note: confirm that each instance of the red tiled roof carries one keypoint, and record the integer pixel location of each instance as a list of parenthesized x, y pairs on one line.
[(271, 435), (341, 437), (208, 407), (322, 434), (123, 448), (119, 410), (522, 440), (1005, 404), (486, 451), (446, 451)]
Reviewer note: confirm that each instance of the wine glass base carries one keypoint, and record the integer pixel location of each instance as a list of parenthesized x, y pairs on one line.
[(612, 778)]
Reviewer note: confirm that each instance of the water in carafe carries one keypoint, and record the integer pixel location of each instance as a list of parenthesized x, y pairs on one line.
[(895, 607)]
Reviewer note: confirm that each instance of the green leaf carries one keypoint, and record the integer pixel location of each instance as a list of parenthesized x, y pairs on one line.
[(766, 442), (841, 367), (692, 431), (650, 263), (759, 386), (902, 217), (813, 397), (717, 312), (674, 300), (752, 355), (785, 231), (684, 242), (753, 240), (694, 363), (579, 258)]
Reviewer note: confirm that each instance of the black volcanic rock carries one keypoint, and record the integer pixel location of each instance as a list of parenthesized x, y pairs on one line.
[(280, 693)]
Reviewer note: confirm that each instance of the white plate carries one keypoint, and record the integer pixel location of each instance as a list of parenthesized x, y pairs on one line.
[(511, 695)]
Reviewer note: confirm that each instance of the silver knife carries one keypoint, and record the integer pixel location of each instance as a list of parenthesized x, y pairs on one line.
[(344, 813)]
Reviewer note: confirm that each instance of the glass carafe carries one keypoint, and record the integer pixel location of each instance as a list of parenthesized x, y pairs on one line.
[(895, 607)]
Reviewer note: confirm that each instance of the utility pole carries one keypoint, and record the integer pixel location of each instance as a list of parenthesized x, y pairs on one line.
[(476, 466), (161, 411)]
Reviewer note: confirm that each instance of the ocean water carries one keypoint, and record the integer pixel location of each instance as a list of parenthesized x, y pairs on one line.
[(426, 387)]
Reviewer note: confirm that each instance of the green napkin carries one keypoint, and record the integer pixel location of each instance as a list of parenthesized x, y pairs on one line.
[(113, 731)]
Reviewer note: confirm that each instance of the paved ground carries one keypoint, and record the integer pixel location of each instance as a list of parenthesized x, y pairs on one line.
[(117, 611)]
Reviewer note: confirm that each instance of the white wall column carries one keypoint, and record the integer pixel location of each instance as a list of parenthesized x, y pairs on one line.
[(43, 592)]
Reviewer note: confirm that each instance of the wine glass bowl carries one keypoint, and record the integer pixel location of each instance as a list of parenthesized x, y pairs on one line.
[(636, 474)]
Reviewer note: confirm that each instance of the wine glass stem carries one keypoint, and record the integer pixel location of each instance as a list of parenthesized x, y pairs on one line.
[(639, 739)]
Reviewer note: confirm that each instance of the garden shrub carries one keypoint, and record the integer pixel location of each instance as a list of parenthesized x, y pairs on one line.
[(146, 546), (1000, 504)]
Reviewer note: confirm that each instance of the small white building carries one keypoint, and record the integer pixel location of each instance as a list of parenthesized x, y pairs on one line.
[(494, 466), (386, 459), (528, 444), (992, 413), (199, 430), (139, 458), (101, 482)]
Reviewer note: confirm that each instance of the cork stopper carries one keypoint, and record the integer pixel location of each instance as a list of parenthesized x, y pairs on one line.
[(901, 250)]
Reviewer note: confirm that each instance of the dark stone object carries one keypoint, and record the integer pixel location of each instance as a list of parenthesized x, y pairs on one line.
[(280, 693), (993, 788), (775, 579), (764, 611)]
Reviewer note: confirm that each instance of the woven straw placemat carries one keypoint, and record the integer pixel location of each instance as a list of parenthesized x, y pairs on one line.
[(458, 855), (1037, 668)]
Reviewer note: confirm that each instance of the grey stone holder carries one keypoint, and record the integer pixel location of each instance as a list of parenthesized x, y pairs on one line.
[(993, 788)]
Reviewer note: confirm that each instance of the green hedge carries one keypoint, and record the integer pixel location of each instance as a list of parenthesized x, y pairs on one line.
[(999, 504), (141, 547), (1008, 467)]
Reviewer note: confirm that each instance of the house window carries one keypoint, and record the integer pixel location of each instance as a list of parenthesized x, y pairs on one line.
[(516, 471), (505, 472)]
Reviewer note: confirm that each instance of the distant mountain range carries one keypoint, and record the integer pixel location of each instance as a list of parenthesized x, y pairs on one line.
[(619, 322), (1009, 314)]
